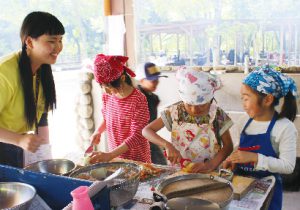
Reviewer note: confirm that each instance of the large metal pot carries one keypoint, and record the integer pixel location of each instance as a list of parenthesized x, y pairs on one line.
[(191, 197), (16, 195), (53, 166)]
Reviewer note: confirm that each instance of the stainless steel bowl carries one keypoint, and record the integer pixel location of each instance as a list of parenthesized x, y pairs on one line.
[(16, 195), (53, 166), (122, 188)]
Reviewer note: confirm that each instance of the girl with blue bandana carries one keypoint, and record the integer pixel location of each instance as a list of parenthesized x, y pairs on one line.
[(268, 138), (199, 128)]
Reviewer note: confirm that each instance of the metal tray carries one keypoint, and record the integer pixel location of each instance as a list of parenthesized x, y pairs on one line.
[(165, 182), (122, 188)]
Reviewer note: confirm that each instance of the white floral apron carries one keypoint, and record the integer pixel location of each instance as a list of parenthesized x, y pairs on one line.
[(195, 142)]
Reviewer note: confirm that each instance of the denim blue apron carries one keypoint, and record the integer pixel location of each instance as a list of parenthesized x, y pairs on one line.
[(261, 143)]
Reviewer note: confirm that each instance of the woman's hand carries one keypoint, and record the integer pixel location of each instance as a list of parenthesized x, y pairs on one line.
[(203, 167), (243, 157), (31, 142), (173, 155), (95, 138), (98, 157)]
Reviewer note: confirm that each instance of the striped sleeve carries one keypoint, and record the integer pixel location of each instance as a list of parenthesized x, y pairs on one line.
[(139, 121)]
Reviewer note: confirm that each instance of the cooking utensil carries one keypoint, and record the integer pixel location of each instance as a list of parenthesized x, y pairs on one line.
[(89, 150), (185, 203), (196, 189), (123, 187), (181, 203), (16, 195), (221, 196), (52, 166), (182, 160), (114, 175), (190, 204), (226, 174)]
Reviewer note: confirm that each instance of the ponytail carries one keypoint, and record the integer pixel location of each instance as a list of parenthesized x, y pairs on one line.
[(48, 85), (26, 79), (289, 107), (27, 87)]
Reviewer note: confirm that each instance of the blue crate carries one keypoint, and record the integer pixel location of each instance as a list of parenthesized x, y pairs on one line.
[(54, 190)]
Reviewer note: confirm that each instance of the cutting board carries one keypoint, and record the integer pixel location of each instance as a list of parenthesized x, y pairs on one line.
[(241, 186)]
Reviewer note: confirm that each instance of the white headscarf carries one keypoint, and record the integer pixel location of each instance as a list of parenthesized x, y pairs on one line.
[(196, 87)]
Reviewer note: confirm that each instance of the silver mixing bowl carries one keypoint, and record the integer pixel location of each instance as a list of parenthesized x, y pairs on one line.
[(16, 195), (53, 166)]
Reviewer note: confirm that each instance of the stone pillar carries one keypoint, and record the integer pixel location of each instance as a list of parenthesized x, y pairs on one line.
[(84, 110)]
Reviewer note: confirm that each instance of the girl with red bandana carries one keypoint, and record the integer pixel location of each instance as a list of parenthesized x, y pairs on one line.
[(125, 112)]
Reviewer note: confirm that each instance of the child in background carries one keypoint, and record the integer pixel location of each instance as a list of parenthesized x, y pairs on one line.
[(199, 128), (148, 76), (125, 112), (268, 139)]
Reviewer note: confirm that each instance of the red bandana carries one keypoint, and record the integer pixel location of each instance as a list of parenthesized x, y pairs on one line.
[(108, 68)]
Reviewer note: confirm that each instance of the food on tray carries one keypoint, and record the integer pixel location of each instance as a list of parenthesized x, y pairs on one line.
[(99, 173), (102, 172), (86, 160), (85, 176), (149, 171), (188, 167)]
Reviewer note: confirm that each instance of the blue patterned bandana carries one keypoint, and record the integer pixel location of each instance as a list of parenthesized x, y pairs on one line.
[(267, 80)]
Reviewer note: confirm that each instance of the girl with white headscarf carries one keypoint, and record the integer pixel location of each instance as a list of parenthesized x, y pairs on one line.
[(199, 128)]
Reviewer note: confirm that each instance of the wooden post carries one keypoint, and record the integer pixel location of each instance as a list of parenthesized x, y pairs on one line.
[(190, 46), (235, 48), (177, 43), (296, 45), (151, 42), (281, 45), (256, 53), (130, 46), (107, 7), (160, 42)]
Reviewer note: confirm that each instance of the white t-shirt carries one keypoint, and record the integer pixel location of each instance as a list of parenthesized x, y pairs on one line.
[(283, 139)]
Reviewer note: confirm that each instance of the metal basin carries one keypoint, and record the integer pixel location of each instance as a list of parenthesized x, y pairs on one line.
[(16, 195), (211, 195), (53, 166), (122, 188)]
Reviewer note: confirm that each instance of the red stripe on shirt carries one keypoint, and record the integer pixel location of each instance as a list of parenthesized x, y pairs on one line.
[(125, 119)]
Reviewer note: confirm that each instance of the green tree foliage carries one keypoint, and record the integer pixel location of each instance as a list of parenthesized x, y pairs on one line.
[(83, 21)]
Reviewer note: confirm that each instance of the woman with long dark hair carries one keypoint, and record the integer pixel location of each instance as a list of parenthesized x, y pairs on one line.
[(27, 90)]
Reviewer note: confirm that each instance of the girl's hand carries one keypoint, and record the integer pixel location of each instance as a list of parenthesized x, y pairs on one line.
[(228, 165), (243, 157), (204, 167), (98, 157), (95, 138), (173, 155), (31, 142)]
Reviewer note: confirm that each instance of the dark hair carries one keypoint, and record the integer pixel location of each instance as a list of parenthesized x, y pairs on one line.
[(34, 25), (289, 107), (117, 83), (148, 65)]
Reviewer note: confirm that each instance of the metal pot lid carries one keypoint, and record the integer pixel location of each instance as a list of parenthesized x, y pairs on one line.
[(186, 203)]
